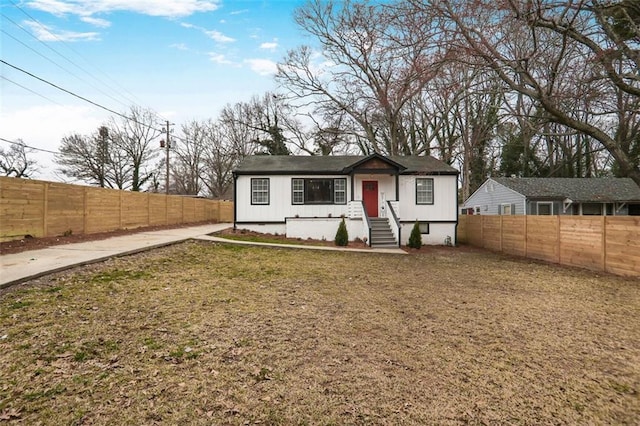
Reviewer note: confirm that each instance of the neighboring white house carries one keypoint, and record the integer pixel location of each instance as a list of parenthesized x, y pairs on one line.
[(555, 196), (379, 197)]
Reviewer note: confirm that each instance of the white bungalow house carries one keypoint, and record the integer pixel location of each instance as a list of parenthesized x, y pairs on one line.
[(555, 196), (379, 197)]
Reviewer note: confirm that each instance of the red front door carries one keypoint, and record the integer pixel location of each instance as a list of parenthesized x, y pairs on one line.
[(370, 197)]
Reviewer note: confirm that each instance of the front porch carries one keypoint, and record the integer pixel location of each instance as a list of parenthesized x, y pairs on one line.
[(383, 231)]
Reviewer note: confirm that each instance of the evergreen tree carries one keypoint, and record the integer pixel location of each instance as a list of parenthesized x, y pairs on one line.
[(415, 239), (342, 236), (275, 144)]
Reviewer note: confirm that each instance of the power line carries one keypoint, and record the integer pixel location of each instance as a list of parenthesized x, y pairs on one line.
[(29, 90), (28, 146), (57, 64), (78, 96), (74, 64), (72, 50)]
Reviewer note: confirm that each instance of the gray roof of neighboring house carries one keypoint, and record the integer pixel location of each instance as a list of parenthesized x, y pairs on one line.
[(576, 189), (336, 164)]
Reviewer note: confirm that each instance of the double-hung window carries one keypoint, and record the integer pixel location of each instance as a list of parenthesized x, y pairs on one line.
[(340, 191), (424, 191), (318, 191), (260, 191), (297, 191)]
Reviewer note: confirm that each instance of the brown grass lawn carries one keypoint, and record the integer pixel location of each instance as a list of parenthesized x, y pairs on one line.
[(219, 334)]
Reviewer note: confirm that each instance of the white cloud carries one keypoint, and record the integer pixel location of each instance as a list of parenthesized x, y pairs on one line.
[(219, 58), (219, 37), (45, 33), (273, 45), (166, 8), (239, 12), (179, 46), (262, 66), (44, 127), (102, 23), (213, 34)]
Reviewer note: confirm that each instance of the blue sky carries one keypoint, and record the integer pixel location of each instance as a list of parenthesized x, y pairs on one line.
[(184, 59)]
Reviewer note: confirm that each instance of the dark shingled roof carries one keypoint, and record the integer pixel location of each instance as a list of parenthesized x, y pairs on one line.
[(334, 164), (576, 189)]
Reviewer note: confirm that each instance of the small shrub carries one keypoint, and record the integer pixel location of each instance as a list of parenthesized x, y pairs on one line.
[(415, 239), (342, 236)]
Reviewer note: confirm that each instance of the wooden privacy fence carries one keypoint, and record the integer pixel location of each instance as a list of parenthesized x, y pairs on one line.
[(44, 209), (602, 243)]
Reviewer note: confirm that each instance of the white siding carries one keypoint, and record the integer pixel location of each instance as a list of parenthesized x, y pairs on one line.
[(321, 221), (444, 207), (491, 195), (323, 229), (438, 233), (267, 228), (280, 206), (386, 188)]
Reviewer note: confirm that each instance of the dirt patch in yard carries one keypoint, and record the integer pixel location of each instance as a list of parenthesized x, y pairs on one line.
[(201, 333)]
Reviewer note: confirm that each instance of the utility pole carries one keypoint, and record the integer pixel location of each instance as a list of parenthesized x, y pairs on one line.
[(104, 134), (166, 145)]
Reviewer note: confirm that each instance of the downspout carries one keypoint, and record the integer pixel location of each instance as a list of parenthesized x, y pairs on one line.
[(455, 243), (235, 199)]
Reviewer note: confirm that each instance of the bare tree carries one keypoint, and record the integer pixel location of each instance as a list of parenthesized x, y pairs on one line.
[(557, 53), (266, 121), (220, 158), (186, 168), (234, 129), (117, 155), (91, 159), (15, 161), (374, 60), (135, 137)]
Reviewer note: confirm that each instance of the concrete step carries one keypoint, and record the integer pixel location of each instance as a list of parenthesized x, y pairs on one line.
[(381, 234), (384, 246)]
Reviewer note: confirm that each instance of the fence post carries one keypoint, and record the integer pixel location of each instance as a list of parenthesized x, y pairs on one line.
[(45, 209), (526, 234), (120, 219), (604, 243), (501, 233), (84, 210), (559, 244)]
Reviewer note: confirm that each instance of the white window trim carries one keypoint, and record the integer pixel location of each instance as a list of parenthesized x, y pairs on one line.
[(430, 192), (303, 190), (339, 191), (255, 191), (297, 191), (503, 205)]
